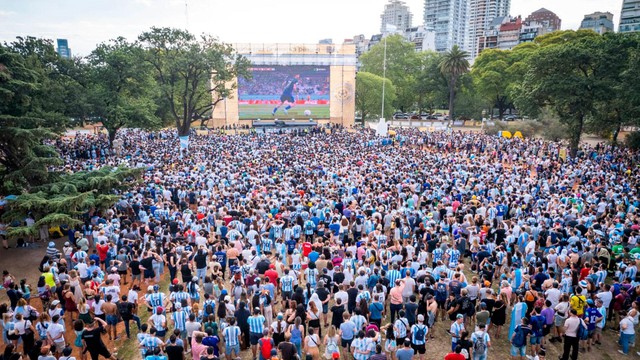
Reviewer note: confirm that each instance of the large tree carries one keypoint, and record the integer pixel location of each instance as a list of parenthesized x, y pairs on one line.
[(492, 79), (564, 76), (618, 67), (430, 85), (24, 158), (402, 65), (122, 87), (30, 167), (454, 63), (369, 95), (194, 73)]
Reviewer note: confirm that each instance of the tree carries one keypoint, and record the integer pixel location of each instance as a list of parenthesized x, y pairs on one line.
[(402, 64), (194, 74), (122, 87), (59, 93), (618, 67), (24, 157), (369, 95), (454, 64), (564, 76), (492, 79), (64, 200), (431, 85)]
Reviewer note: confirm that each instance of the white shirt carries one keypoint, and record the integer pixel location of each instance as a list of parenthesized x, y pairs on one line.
[(97, 307), (606, 297), (55, 330), (553, 295)]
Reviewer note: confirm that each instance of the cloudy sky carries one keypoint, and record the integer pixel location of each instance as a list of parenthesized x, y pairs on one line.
[(86, 23)]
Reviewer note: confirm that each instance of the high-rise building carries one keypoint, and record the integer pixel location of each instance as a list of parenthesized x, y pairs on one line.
[(600, 22), (630, 16), (448, 18), (63, 48), (422, 38), (490, 38), (396, 13), (481, 15), (509, 34), (548, 20)]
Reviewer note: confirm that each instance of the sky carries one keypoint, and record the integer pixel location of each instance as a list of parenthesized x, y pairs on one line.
[(86, 23)]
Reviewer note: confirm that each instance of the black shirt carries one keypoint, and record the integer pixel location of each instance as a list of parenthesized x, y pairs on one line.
[(147, 263), (323, 293), (134, 265), (353, 294), (92, 339), (287, 348), (336, 315), (201, 260), (174, 352)]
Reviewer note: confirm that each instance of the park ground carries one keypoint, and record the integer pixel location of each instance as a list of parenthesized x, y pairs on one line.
[(23, 263)]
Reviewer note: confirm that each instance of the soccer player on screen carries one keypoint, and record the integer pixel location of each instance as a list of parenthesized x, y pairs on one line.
[(287, 95)]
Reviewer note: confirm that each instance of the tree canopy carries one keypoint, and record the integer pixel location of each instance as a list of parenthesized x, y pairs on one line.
[(194, 74), (369, 95)]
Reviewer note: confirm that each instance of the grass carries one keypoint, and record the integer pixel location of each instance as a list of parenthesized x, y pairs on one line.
[(265, 112), (129, 349)]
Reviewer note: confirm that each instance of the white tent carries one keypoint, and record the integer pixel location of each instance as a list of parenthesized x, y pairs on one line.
[(382, 128)]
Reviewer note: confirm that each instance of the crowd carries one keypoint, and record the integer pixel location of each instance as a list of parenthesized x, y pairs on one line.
[(336, 246)]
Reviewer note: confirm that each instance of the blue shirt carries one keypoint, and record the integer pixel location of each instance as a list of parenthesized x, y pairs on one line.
[(256, 324), (348, 329), (404, 354), (231, 335)]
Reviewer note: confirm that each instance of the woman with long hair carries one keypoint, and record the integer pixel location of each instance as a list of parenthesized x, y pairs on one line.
[(311, 344), (295, 333), (313, 315), (331, 341)]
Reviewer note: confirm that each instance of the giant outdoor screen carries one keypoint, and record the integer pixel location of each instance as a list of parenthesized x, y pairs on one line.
[(284, 92)]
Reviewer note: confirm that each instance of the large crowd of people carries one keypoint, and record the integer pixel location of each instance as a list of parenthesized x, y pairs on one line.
[(339, 245)]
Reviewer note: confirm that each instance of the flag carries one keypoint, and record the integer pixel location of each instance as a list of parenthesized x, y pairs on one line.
[(390, 28)]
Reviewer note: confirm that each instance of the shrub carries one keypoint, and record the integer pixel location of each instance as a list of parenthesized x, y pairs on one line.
[(633, 140)]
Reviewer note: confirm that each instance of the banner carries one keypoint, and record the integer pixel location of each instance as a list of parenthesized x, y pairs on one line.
[(382, 128), (184, 142)]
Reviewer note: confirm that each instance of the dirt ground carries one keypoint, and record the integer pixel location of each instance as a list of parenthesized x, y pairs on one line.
[(23, 263)]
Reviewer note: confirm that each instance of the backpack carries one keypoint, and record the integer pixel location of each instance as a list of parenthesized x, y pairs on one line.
[(123, 308), (265, 348), (208, 308), (479, 346), (519, 337), (420, 333), (582, 332), (465, 307), (332, 347), (441, 292)]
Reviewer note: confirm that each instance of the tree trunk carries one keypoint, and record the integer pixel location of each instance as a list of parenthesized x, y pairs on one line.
[(616, 132), (183, 127), (452, 97), (112, 136), (575, 135)]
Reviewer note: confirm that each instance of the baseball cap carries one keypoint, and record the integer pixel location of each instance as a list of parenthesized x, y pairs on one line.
[(420, 317), (175, 281), (150, 288), (460, 316)]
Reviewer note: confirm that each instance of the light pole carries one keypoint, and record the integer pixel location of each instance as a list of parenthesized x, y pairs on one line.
[(384, 74)]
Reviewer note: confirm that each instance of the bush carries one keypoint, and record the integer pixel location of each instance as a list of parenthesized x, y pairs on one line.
[(633, 140), (552, 129)]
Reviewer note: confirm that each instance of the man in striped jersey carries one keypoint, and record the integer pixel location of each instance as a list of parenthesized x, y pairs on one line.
[(256, 327), (179, 318), (419, 333), (231, 335), (286, 286), (153, 299)]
